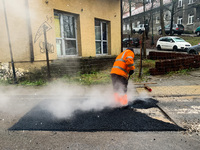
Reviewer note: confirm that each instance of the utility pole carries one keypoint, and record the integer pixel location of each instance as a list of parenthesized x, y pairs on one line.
[(10, 46), (46, 50), (152, 36), (121, 26)]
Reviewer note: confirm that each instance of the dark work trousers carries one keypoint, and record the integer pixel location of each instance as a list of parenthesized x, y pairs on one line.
[(120, 83)]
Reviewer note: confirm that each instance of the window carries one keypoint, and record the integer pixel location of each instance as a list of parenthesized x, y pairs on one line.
[(190, 1), (65, 27), (133, 25), (179, 20), (180, 3), (190, 19), (138, 22), (124, 27), (157, 20), (128, 27), (101, 36)]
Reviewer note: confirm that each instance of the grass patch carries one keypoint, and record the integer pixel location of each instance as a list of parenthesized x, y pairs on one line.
[(101, 77), (191, 40), (34, 83), (180, 72)]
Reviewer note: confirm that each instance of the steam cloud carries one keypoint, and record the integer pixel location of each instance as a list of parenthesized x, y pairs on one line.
[(61, 100)]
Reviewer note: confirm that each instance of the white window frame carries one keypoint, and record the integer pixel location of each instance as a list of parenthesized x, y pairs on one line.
[(138, 22), (102, 40), (133, 25), (190, 19), (179, 20), (190, 2), (157, 20), (124, 27), (128, 27), (180, 3), (62, 38)]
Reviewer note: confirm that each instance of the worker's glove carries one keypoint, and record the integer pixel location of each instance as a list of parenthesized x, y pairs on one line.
[(131, 72)]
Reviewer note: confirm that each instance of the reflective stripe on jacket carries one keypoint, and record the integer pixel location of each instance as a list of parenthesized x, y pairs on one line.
[(123, 63)]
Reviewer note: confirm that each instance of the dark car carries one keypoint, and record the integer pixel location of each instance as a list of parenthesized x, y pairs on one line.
[(197, 31), (194, 49), (176, 29), (133, 42)]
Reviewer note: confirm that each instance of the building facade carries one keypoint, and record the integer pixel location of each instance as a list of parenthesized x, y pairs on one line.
[(67, 28), (187, 12)]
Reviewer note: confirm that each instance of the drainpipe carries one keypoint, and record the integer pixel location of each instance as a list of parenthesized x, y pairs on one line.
[(29, 32), (10, 46), (121, 25)]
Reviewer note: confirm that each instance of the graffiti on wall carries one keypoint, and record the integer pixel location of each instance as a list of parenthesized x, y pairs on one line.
[(40, 33), (50, 47)]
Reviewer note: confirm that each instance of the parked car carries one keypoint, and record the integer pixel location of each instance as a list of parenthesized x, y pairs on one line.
[(176, 29), (172, 43), (133, 42), (194, 49), (139, 29), (197, 31)]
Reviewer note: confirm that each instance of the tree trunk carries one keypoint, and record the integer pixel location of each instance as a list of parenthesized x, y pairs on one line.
[(161, 18)]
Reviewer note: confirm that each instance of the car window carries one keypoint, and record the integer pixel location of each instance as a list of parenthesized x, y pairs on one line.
[(163, 39), (169, 39), (179, 40), (180, 26)]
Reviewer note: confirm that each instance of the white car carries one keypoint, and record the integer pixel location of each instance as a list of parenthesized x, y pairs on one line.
[(172, 43)]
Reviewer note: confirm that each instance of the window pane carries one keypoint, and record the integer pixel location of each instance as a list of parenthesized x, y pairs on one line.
[(97, 30), (57, 25), (104, 31), (69, 26), (105, 50), (98, 47), (59, 47), (70, 47)]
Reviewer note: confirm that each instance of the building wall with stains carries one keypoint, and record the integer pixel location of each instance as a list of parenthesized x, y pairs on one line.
[(26, 19)]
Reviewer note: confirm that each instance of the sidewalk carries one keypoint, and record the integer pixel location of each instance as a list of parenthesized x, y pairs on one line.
[(189, 90)]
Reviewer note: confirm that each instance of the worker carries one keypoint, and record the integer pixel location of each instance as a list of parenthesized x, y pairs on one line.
[(122, 69)]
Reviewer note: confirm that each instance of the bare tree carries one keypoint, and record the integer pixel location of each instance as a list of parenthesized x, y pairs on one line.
[(162, 18)]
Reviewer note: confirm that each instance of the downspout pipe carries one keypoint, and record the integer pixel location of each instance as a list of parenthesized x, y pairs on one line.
[(29, 32)]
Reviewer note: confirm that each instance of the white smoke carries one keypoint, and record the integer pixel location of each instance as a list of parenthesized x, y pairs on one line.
[(70, 98), (61, 99)]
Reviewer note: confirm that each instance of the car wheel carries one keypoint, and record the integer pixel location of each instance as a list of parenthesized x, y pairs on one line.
[(160, 32), (158, 47), (198, 33), (140, 31), (175, 48), (192, 52), (134, 32)]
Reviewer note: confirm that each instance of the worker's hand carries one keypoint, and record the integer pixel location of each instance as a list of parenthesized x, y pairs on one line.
[(131, 72)]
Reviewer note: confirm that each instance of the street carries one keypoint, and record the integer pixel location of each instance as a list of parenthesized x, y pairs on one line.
[(32, 118)]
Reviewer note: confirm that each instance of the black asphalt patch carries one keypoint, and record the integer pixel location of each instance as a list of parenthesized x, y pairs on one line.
[(116, 119)]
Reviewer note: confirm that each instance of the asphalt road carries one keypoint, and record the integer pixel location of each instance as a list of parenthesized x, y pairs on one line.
[(26, 122), (28, 125)]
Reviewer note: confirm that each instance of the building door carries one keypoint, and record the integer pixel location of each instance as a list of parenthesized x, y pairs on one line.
[(66, 33)]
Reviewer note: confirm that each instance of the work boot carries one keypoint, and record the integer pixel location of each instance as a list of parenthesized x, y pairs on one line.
[(117, 97), (124, 100)]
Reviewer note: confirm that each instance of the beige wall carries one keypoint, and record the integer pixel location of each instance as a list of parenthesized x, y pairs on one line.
[(16, 16), (41, 12)]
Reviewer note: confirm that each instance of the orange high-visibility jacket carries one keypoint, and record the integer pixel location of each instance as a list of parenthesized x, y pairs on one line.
[(123, 63)]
